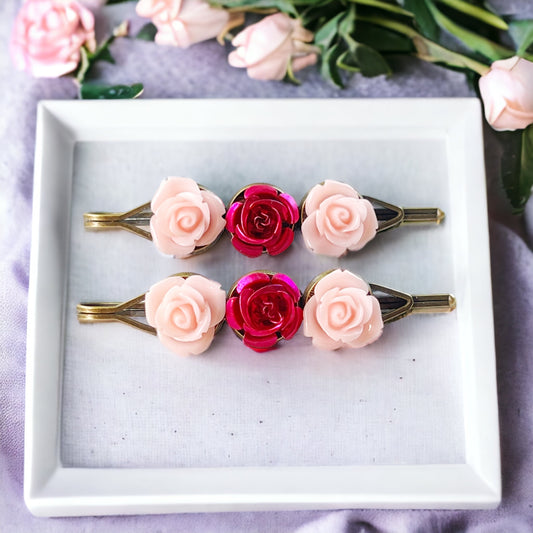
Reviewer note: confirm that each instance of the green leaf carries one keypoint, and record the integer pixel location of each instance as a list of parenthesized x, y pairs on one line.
[(371, 62), (385, 6), (102, 54), (347, 23), (424, 19), (84, 65), (325, 35), (477, 12), (517, 167), (147, 32), (383, 40), (521, 32), (477, 43), (328, 67), (347, 61), (89, 91)]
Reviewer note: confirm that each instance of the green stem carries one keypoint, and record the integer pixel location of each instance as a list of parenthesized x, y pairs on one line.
[(428, 50)]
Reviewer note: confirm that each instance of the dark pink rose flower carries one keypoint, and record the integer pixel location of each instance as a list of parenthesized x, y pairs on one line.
[(261, 219), (263, 308)]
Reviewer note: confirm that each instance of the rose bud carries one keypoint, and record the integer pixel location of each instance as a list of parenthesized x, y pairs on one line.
[(335, 219), (261, 218), (507, 94), (185, 22), (48, 35), (262, 309), (268, 48), (340, 311)]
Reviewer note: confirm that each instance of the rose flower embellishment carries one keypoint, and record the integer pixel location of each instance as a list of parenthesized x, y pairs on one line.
[(263, 308), (261, 218), (341, 311), (186, 312), (186, 218), (335, 219)]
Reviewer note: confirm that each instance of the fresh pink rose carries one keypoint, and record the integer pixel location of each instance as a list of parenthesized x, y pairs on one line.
[(337, 219), (342, 312), (185, 217), (48, 35), (184, 22), (267, 48), (507, 93), (185, 312)]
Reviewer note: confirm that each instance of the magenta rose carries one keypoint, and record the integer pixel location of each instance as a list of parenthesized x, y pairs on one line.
[(261, 219), (263, 308)]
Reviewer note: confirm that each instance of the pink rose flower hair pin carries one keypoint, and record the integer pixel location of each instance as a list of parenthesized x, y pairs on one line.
[(184, 311), (261, 219), (336, 219), (341, 310), (185, 218)]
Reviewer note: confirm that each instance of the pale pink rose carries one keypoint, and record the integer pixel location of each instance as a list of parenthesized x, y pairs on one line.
[(267, 48), (507, 93), (337, 219), (183, 22), (185, 312), (185, 217), (342, 313), (48, 35)]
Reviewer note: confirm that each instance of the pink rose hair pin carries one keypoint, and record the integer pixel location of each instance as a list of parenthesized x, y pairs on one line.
[(184, 311), (337, 219), (341, 310), (184, 218)]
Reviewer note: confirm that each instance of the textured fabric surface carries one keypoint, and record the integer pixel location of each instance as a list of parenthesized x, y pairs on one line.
[(202, 71)]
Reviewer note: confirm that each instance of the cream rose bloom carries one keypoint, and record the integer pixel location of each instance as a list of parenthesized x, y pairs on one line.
[(185, 312), (342, 313), (185, 217), (507, 93), (337, 219)]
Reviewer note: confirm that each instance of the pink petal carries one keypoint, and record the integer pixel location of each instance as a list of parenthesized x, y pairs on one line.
[(216, 220), (339, 279), (293, 208), (248, 250), (262, 190), (213, 295), (260, 344), (188, 348), (292, 327), (233, 314), (291, 287), (313, 329), (284, 241), (233, 216), (172, 186), (370, 228), (235, 59), (166, 245), (322, 191), (253, 279), (316, 242), (155, 295), (299, 63)]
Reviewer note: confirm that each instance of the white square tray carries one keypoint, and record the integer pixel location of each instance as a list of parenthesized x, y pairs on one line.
[(117, 425)]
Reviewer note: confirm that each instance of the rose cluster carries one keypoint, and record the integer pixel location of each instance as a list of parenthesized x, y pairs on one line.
[(263, 308)]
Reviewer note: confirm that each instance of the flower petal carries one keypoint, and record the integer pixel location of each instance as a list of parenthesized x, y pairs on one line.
[(337, 279), (316, 242), (324, 190), (294, 324), (154, 296), (260, 344), (284, 241), (188, 348), (172, 186), (249, 250), (233, 314), (213, 294), (216, 220)]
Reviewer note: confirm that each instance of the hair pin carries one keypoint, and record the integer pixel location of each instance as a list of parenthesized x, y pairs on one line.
[(185, 218), (342, 310), (337, 219), (184, 311), (338, 309)]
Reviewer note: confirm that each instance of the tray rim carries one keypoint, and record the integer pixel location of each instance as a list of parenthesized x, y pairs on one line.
[(52, 490)]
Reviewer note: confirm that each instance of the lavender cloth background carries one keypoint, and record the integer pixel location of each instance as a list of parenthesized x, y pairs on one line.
[(202, 71)]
